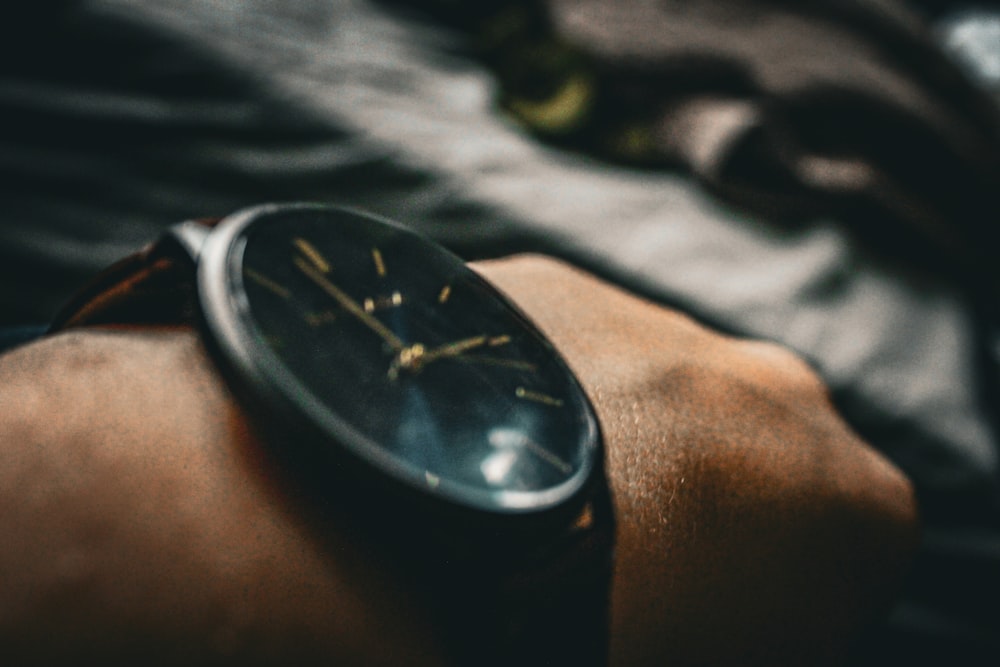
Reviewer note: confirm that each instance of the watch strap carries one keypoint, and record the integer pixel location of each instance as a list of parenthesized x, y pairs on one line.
[(154, 286), (556, 608)]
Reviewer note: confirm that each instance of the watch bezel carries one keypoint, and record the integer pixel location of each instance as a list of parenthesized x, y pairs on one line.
[(269, 385)]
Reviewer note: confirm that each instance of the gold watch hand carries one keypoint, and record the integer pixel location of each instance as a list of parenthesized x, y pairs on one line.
[(350, 305), (453, 349), (416, 356)]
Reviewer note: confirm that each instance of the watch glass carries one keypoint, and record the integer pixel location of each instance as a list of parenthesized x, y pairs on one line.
[(405, 358)]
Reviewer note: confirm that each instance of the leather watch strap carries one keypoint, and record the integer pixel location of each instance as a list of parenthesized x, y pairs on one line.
[(137, 290), (155, 285), (557, 607)]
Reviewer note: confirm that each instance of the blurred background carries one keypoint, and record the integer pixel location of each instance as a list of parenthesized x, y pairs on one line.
[(821, 174)]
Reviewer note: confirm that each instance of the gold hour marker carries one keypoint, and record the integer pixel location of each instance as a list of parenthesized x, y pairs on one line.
[(538, 397), (379, 262), (497, 341), (445, 293), (313, 255), (267, 283), (371, 305)]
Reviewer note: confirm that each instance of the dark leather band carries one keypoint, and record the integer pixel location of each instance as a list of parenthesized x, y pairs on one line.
[(140, 289), (156, 285), (557, 608)]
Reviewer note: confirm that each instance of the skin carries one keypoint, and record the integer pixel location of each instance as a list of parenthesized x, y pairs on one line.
[(142, 522)]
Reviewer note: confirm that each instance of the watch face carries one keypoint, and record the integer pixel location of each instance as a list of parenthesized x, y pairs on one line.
[(400, 355)]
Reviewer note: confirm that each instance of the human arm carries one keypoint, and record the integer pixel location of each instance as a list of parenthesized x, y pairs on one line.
[(141, 522), (754, 527)]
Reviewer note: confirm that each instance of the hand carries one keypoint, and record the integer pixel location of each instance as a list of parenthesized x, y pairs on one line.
[(416, 356), (350, 305), (453, 349), (754, 527)]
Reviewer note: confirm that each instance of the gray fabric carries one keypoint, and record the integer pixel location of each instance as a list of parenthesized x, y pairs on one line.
[(900, 340)]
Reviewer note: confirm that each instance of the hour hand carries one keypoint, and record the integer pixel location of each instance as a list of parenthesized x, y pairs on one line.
[(416, 356), (453, 349), (350, 305)]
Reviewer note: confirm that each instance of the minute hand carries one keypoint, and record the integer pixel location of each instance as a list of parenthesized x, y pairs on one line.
[(350, 305)]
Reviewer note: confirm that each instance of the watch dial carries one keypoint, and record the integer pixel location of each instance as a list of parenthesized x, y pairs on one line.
[(407, 359)]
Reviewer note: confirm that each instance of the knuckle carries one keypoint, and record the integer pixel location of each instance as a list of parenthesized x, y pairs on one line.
[(785, 368)]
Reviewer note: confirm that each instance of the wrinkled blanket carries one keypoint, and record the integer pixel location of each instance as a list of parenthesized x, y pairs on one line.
[(825, 177)]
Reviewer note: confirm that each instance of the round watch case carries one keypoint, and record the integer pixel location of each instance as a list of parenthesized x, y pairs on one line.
[(363, 346)]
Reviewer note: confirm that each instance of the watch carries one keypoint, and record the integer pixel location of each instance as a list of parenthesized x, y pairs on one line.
[(387, 377)]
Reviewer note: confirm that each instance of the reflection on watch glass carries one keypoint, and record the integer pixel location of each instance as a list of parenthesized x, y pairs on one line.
[(409, 358)]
